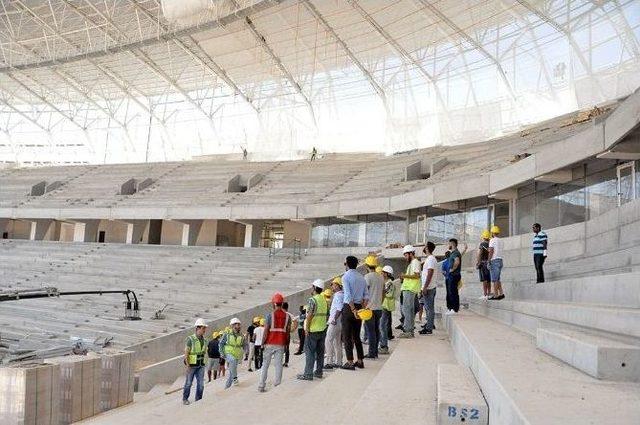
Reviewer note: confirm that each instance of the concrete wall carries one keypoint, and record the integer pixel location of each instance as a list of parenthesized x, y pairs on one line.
[(19, 229), (208, 233), (115, 231), (29, 394), (67, 232), (297, 230), (173, 233), (230, 233)]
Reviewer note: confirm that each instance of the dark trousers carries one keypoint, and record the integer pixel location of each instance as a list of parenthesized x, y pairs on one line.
[(373, 332), (314, 353), (301, 338), (286, 349), (538, 261), (257, 356), (351, 332), (453, 298)]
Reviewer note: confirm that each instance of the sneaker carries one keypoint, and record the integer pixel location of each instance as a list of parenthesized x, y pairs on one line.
[(235, 381), (262, 390), (449, 312), (348, 366), (406, 335), (369, 356), (391, 338), (286, 365), (250, 370), (186, 402), (304, 377), (425, 332), (384, 350), (297, 353), (399, 327), (328, 366), (360, 364), (317, 375), (500, 297)]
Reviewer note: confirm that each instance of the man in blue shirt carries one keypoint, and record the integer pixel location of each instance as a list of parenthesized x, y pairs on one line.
[(539, 251), (356, 296)]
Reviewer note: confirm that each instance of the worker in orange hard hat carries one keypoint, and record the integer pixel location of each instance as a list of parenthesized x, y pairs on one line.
[(277, 326)]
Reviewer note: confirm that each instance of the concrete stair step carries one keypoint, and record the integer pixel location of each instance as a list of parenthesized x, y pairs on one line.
[(459, 397), (523, 385), (404, 390), (597, 356), (527, 315)]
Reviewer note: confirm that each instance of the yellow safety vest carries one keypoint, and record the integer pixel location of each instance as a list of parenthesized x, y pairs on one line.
[(196, 353), (412, 285), (319, 321), (234, 345)]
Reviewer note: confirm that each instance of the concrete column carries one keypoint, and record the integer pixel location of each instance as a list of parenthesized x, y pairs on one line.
[(78, 232), (248, 235), (362, 234), (90, 232), (43, 230), (129, 237), (195, 227), (174, 233)]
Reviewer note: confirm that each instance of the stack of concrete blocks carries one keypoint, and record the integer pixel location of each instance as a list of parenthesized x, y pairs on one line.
[(29, 394), (117, 378), (79, 386)]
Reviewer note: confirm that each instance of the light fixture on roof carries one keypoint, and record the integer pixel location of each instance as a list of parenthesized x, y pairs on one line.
[(185, 12)]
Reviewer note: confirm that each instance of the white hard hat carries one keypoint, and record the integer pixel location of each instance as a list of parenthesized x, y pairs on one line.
[(388, 269), (408, 248), (200, 322), (318, 283), (234, 321)]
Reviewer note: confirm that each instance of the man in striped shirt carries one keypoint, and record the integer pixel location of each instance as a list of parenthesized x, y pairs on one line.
[(539, 251)]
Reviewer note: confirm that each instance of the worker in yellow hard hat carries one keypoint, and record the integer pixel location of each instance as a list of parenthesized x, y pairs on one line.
[(213, 352), (495, 263), (482, 264), (249, 356), (333, 340), (375, 284), (328, 293), (258, 336)]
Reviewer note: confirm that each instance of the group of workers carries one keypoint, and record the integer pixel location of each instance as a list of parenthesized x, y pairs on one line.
[(330, 324)]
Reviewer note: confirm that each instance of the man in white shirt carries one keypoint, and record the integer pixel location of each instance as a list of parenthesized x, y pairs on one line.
[(495, 263), (428, 280), (258, 335), (333, 340)]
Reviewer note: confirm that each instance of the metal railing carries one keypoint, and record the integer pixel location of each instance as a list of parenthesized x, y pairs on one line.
[(294, 246)]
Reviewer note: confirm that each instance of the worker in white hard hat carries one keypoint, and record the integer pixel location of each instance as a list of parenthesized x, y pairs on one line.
[(233, 345), (410, 289), (315, 329), (194, 353), (388, 307)]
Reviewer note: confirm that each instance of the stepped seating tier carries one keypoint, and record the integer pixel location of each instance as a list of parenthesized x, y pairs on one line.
[(188, 282)]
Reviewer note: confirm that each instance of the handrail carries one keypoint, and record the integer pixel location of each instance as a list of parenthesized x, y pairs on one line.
[(295, 244)]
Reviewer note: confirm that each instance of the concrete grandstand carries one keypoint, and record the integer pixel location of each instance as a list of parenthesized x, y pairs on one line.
[(157, 170)]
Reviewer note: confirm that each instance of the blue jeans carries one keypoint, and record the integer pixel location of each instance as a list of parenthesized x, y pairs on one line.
[(198, 373), (314, 352), (232, 369), (385, 324), (429, 305), (373, 330)]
